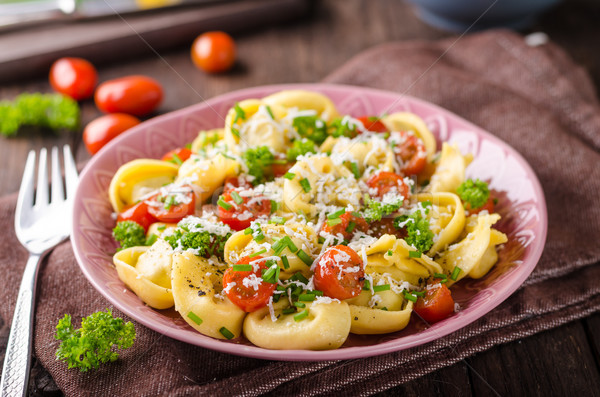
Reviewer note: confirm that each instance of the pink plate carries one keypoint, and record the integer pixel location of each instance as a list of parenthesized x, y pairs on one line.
[(521, 204)]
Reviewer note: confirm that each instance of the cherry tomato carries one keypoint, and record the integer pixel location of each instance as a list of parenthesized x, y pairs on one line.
[(239, 216), (173, 205), (213, 52), (103, 129), (339, 273), (386, 182), (411, 153), (234, 182), (279, 170), (253, 294), (138, 213), (74, 77), (136, 95), (182, 154), (436, 305), (372, 123), (345, 228), (386, 226), (489, 206)]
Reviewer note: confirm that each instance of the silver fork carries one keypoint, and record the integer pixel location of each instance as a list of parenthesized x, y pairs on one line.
[(40, 225)]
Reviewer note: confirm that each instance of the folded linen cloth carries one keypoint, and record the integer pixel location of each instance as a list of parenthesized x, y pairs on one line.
[(534, 98)]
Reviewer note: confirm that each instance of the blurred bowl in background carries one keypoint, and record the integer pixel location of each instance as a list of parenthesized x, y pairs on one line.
[(459, 15)]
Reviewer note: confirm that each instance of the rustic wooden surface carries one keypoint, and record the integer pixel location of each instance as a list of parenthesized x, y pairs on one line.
[(561, 361)]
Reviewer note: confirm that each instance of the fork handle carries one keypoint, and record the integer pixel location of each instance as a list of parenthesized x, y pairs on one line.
[(15, 373)]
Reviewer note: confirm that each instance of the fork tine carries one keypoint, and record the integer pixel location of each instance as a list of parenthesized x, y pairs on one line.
[(70, 171), (41, 193), (25, 199), (56, 181)]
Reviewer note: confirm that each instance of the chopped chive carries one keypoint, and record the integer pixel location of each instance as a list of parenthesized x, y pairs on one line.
[(289, 175), (224, 204), (355, 170), (274, 206), (410, 296), (270, 112), (262, 251), (235, 132), (271, 275), (350, 227), (414, 254), (192, 316), (300, 304), (278, 220), (321, 239), (161, 228), (419, 293), (169, 202), (226, 333), (248, 231), (390, 252), (239, 113), (385, 309), (289, 310), (151, 239), (242, 268), (333, 222), (188, 146), (455, 273), (278, 246), (306, 297), (236, 197), (305, 185), (299, 277), (356, 214), (276, 297), (301, 316), (304, 257), (379, 288), (291, 246), (440, 275), (315, 292), (286, 263), (176, 159), (336, 214), (367, 285)]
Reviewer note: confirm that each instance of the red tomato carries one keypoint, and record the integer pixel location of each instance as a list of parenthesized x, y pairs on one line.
[(489, 206), (386, 226), (372, 123), (103, 129), (174, 205), (213, 52), (248, 298), (339, 273), (239, 216), (74, 77), (385, 182), (344, 226), (136, 95), (234, 182), (411, 153), (182, 154), (436, 305), (279, 170), (137, 212)]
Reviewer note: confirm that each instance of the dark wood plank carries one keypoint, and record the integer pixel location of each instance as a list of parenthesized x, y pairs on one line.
[(554, 362)]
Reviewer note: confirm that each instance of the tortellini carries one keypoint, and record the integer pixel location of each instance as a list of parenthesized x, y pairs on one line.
[(450, 171), (371, 152), (206, 175)]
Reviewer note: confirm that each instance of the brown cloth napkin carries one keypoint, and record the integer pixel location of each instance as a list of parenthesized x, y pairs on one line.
[(534, 98)]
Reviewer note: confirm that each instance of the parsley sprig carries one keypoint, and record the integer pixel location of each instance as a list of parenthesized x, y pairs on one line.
[(417, 227), (474, 192)]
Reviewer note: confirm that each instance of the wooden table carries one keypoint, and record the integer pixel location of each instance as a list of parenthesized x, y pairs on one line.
[(561, 361)]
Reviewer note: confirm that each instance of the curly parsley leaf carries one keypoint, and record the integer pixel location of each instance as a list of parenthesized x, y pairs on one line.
[(258, 160), (343, 127), (375, 210), (202, 242), (417, 227), (311, 127), (129, 234), (92, 344), (301, 147), (475, 193)]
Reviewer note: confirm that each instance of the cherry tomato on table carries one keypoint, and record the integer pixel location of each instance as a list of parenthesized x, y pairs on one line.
[(173, 205), (386, 182), (177, 155), (373, 123), (255, 292), (103, 129), (436, 305), (347, 225), (74, 77), (238, 215), (136, 95), (411, 153), (138, 213), (339, 273), (213, 52)]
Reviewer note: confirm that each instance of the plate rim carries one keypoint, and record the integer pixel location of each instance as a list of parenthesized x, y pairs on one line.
[(353, 352)]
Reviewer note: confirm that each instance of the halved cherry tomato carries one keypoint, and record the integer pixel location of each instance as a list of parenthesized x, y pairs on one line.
[(279, 170), (173, 205), (411, 152), (436, 305), (385, 182), (74, 77), (234, 182), (373, 123), (339, 273), (239, 216), (102, 130), (213, 52), (345, 228), (489, 206), (138, 213), (386, 226), (136, 95), (182, 154), (253, 294)]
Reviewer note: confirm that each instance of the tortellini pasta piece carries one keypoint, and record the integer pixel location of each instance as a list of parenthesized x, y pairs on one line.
[(137, 178), (207, 139), (446, 217), (147, 272), (390, 313), (403, 121), (206, 175), (304, 100), (473, 254), (318, 180), (326, 327), (372, 152), (450, 171), (196, 283)]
